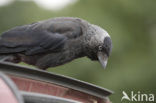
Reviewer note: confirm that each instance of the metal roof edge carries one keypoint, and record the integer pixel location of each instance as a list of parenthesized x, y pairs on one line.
[(45, 76)]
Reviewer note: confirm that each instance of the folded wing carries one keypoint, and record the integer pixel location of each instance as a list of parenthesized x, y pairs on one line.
[(41, 37)]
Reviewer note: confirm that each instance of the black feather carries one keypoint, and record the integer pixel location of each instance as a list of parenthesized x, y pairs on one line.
[(46, 36)]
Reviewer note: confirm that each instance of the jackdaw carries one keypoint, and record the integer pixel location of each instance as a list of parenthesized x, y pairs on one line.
[(54, 42)]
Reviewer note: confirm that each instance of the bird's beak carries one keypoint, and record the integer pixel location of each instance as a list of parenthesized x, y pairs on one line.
[(102, 59)]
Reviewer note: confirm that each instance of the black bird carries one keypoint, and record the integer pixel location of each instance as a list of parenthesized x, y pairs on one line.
[(54, 42)]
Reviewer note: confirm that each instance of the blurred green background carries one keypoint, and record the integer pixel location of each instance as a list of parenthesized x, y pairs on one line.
[(132, 26)]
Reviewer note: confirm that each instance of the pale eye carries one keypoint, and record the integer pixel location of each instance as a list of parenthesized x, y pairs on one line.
[(100, 48)]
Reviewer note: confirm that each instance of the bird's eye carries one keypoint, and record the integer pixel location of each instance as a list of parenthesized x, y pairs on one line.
[(100, 48)]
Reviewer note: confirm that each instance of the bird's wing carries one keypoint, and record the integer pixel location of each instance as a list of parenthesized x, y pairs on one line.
[(39, 37), (69, 27)]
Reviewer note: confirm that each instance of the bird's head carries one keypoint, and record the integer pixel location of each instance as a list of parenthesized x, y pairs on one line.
[(100, 45)]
